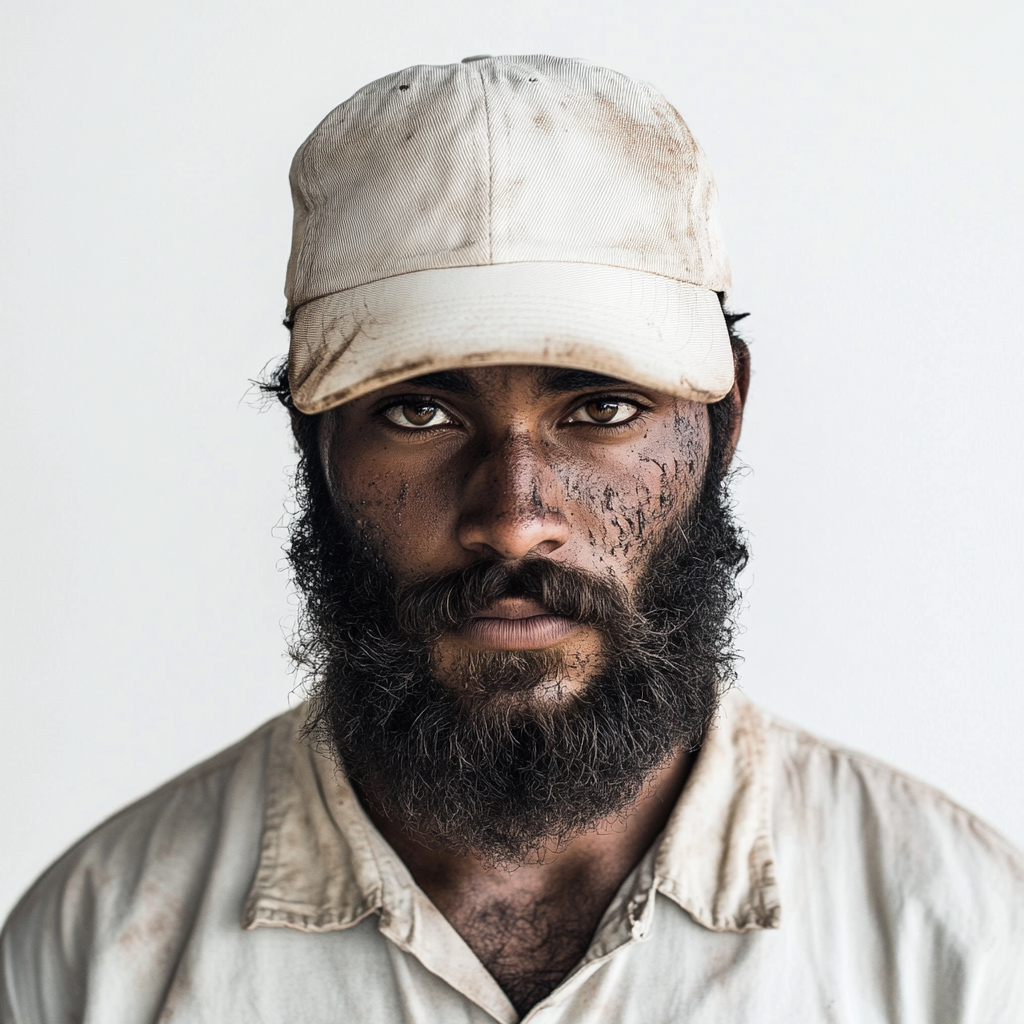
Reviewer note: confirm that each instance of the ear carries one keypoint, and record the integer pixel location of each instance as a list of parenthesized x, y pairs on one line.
[(738, 396), (298, 427), (306, 430)]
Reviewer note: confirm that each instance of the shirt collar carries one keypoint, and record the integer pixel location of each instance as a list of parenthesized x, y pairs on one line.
[(324, 866), (717, 858)]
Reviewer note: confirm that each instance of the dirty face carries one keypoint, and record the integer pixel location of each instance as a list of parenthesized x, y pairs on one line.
[(509, 464), (518, 594)]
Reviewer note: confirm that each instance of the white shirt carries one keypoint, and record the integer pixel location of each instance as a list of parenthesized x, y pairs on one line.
[(794, 883)]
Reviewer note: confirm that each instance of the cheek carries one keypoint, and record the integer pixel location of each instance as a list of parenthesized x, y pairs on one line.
[(622, 501), (421, 526), (408, 512)]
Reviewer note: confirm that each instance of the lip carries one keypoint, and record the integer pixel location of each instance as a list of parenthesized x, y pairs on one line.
[(516, 624)]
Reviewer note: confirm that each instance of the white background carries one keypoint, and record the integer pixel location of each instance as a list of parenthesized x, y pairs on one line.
[(869, 159)]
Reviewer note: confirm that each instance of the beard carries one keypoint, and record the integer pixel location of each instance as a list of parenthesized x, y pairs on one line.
[(475, 764)]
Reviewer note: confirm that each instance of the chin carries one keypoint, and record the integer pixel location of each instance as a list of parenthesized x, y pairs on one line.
[(502, 682)]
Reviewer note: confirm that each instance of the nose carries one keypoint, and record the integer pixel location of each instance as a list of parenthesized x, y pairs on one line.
[(511, 503)]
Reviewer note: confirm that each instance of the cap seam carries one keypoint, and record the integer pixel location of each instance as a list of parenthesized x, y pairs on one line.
[(490, 171)]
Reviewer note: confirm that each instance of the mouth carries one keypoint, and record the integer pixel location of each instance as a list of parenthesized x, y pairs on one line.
[(516, 624)]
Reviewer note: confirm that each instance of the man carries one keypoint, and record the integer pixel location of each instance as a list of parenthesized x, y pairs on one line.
[(522, 788)]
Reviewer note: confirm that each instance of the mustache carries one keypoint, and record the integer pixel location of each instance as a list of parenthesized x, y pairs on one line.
[(432, 606)]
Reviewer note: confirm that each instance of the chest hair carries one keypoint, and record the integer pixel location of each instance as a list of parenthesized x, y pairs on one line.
[(530, 945)]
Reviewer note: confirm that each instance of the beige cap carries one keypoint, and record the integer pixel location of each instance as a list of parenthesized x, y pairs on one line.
[(530, 210)]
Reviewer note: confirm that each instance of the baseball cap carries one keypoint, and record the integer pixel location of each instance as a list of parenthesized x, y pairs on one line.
[(505, 210)]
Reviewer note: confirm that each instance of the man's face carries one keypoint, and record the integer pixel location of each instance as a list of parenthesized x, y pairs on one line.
[(512, 463), (518, 591)]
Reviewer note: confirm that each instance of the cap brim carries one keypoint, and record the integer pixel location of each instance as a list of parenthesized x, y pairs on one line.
[(630, 324)]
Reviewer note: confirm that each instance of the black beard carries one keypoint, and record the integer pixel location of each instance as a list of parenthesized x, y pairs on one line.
[(472, 764)]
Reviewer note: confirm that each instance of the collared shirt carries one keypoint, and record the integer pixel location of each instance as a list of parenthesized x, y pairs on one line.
[(794, 882)]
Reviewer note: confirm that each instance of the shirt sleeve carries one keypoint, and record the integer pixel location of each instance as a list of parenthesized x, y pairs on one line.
[(100, 934), (43, 952)]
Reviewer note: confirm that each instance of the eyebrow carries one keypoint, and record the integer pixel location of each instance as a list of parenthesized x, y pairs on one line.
[(550, 381), (455, 382), (558, 381)]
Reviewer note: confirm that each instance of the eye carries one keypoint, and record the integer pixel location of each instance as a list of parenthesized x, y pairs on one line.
[(605, 412), (418, 414)]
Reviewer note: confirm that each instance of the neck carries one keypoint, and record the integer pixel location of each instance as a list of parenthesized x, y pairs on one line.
[(500, 911)]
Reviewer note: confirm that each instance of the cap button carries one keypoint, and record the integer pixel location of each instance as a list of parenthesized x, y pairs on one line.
[(479, 56)]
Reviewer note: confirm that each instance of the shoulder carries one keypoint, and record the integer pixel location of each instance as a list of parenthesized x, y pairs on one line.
[(904, 839), (135, 880)]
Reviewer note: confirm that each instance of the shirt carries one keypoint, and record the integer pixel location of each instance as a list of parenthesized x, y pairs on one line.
[(794, 882)]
